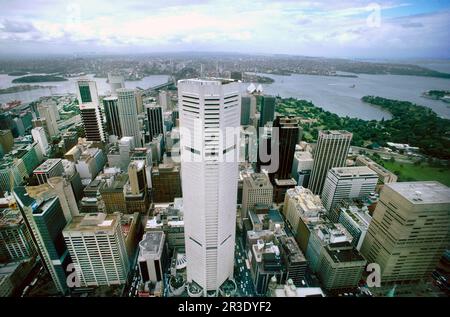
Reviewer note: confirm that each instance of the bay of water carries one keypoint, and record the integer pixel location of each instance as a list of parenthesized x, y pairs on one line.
[(69, 86), (342, 95)]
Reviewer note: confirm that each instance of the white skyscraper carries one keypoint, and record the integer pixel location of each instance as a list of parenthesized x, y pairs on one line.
[(90, 110), (115, 82), (128, 115), (209, 170), (47, 112), (39, 136)]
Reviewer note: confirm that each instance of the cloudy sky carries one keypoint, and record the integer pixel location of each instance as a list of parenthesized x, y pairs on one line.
[(345, 28)]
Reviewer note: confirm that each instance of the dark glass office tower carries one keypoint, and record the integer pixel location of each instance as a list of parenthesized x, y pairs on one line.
[(155, 121), (267, 111), (245, 110), (112, 116), (288, 131), (45, 218)]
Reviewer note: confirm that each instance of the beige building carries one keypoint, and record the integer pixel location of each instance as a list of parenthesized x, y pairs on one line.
[(384, 176), (257, 189), (409, 230), (301, 202), (340, 266), (97, 248)]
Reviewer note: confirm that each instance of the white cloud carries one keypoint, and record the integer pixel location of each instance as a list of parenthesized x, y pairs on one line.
[(279, 26)]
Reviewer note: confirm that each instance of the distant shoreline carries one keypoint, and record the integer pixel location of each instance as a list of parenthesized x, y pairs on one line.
[(20, 88), (38, 79)]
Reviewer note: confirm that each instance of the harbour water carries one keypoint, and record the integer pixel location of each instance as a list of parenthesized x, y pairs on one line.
[(69, 86), (340, 95)]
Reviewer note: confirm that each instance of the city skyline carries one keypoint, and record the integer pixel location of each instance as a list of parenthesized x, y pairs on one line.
[(191, 148)]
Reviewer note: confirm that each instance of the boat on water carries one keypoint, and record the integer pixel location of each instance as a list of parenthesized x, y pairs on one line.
[(353, 86)]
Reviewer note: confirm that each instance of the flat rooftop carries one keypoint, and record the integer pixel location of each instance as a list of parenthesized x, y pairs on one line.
[(152, 242), (258, 180), (47, 165), (422, 192), (303, 155), (10, 217), (92, 222), (354, 171), (335, 132), (344, 255)]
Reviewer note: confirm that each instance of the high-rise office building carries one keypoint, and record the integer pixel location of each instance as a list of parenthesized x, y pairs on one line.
[(165, 100), (245, 110), (45, 219), (96, 245), (91, 114), (209, 178), (138, 94), (18, 125), (267, 113), (340, 266), (112, 116), (152, 256), (87, 92), (138, 179), (39, 136), (331, 151), (136, 191), (347, 182), (66, 196), (175, 118), (155, 120), (301, 167), (115, 82), (166, 183), (256, 189), (288, 131), (409, 230), (47, 112), (16, 242), (70, 139), (294, 259), (6, 140), (50, 168), (128, 115)]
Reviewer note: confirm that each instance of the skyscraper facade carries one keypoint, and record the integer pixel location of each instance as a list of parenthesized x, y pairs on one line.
[(209, 177), (409, 230), (331, 151), (45, 218), (155, 121), (115, 82), (39, 136), (48, 113), (348, 182), (288, 130), (96, 244), (267, 113), (128, 115), (257, 189), (111, 107), (91, 114), (245, 110)]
